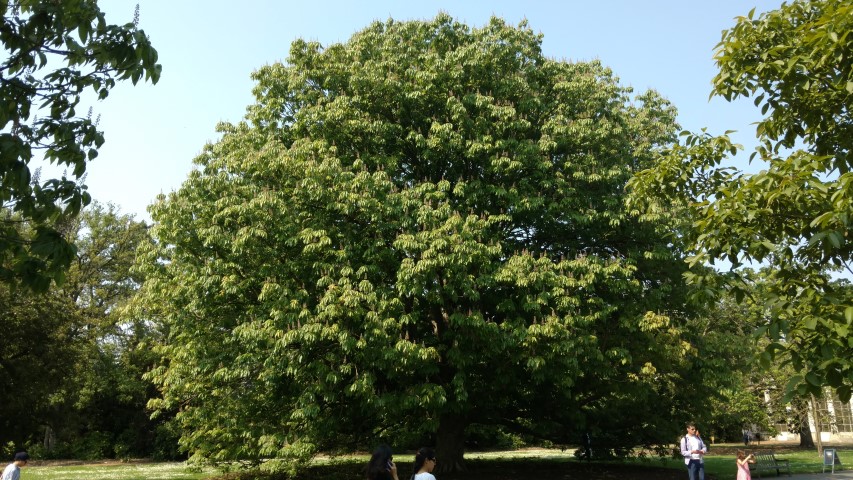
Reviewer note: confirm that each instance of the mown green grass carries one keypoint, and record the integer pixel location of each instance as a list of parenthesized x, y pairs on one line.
[(135, 471), (721, 467)]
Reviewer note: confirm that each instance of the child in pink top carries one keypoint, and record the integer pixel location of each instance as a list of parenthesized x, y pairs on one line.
[(743, 461)]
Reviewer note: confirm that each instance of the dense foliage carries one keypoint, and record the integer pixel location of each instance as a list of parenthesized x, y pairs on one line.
[(54, 51), (43, 346), (415, 232), (109, 418), (794, 216), (71, 370)]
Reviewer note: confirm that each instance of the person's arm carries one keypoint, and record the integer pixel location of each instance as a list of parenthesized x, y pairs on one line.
[(685, 445)]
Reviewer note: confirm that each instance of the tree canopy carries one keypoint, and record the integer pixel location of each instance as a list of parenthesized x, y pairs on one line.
[(795, 216), (53, 53), (413, 232)]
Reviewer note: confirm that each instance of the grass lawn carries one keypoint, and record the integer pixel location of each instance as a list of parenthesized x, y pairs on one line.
[(116, 471), (721, 459), (531, 464)]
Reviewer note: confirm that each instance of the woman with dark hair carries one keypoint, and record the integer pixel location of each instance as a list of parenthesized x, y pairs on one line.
[(381, 465), (424, 464)]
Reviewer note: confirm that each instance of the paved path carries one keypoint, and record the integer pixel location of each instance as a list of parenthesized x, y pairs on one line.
[(845, 475)]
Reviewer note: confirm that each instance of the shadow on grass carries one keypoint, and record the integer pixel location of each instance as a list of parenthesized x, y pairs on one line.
[(494, 469)]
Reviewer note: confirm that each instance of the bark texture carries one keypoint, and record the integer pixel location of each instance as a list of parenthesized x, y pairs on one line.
[(450, 444)]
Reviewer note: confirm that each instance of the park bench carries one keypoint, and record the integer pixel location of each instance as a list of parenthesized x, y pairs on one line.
[(767, 461)]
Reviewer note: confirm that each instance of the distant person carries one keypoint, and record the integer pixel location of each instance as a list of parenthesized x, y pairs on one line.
[(693, 450), (424, 464), (746, 438), (758, 437), (381, 465), (587, 447), (13, 470), (743, 461)]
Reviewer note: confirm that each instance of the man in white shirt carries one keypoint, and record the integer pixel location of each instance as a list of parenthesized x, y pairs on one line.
[(693, 450), (13, 470)]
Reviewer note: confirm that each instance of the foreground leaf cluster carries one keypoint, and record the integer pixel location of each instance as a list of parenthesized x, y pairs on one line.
[(794, 217), (53, 52)]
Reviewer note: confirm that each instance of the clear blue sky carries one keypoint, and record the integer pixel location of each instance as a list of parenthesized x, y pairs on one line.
[(209, 49)]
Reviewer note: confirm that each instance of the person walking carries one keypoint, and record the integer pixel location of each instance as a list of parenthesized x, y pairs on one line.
[(381, 465), (13, 470), (743, 460), (693, 450), (424, 464)]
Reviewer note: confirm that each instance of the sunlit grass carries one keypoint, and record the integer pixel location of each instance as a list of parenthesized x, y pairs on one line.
[(544, 453), (723, 467), (137, 471)]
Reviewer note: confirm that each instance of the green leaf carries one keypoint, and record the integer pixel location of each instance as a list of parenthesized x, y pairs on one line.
[(813, 379), (817, 238), (844, 393), (833, 376), (835, 238), (793, 382)]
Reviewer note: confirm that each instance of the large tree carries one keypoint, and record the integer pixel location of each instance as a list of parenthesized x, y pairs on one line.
[(795, 215), (54, 51), (416, 231)]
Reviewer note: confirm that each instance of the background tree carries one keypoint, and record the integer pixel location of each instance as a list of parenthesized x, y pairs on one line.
[(734, 385), (101, 279), (109, 417), (416, 232), (41, 356), (71, 368), (795, 215), (53, 52)]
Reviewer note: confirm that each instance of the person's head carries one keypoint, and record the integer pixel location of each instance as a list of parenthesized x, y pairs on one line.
[(424, 460), (691, 428), (21, 458), (741, 454), (379, 462)]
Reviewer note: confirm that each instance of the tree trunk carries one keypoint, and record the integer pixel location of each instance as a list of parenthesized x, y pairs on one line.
[(450, 443), (49, 439), (806, 440), (817, 426), (801, 414)]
